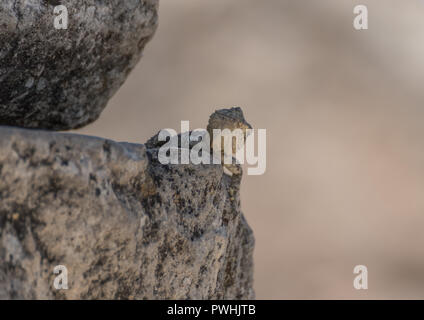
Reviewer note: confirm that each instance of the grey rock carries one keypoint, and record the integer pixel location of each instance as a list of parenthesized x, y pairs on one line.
[(124, 225), (63, 79)]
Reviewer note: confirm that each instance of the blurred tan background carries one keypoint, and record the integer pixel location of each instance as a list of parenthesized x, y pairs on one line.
[(344, 115)]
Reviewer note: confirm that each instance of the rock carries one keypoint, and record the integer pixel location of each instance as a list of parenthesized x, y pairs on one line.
[(123, 225), (62, 79)]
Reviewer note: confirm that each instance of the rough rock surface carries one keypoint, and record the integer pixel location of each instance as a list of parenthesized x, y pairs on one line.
[(63, 79), (125, 226)]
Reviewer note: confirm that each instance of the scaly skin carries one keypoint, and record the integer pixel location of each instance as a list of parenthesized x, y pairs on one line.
[(231, 119)]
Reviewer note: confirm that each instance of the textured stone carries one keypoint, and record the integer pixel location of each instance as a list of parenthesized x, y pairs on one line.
[(124, 225), (63, 79)]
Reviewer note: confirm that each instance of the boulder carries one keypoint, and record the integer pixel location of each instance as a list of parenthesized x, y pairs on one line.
[(62, 79), (122, 225)]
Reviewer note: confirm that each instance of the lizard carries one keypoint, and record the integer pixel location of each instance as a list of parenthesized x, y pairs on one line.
[(228, 118), (231, 119)]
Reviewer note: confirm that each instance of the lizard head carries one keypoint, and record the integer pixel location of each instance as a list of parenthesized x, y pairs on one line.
[(231, 118)]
